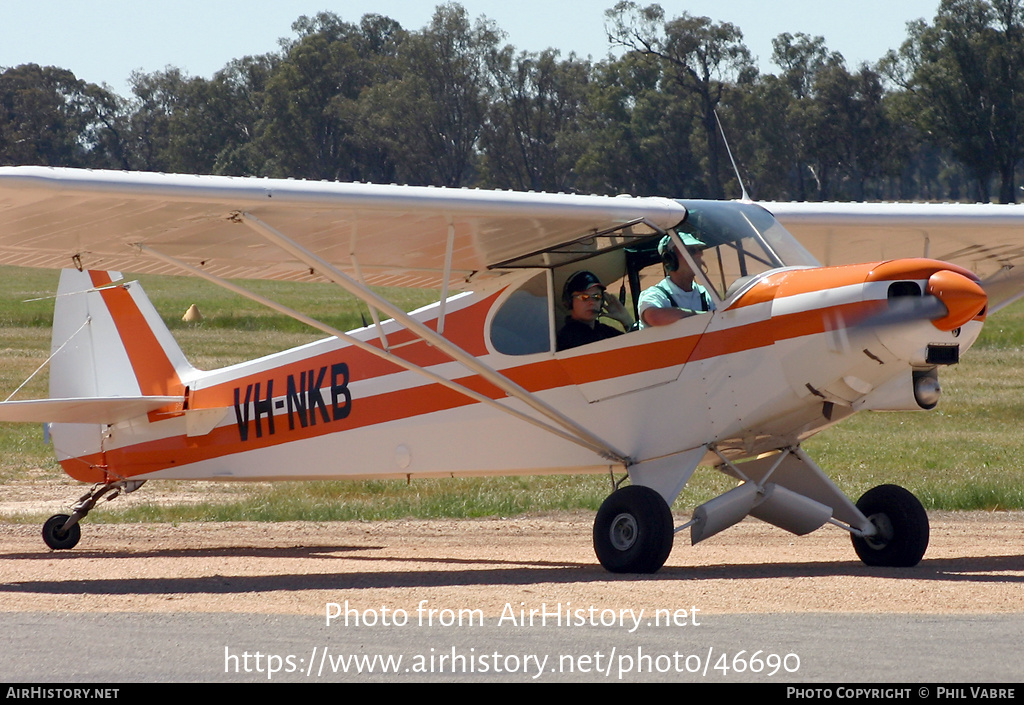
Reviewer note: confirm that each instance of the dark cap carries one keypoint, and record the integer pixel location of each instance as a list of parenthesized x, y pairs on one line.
[(579, 281)]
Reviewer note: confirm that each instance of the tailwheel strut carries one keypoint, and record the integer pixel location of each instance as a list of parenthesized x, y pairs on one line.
[(62, 531)]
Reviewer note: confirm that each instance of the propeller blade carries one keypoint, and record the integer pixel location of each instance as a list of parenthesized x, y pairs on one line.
[(907, 309), (1004, 287)]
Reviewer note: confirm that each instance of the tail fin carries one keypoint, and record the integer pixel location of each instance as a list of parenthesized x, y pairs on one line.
[(108, 341), (115, 343)]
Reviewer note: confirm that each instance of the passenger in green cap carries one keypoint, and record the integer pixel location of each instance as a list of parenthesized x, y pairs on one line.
[(677, 295)]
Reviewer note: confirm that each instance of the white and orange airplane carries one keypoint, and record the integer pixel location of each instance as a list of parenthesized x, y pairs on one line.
[(473, 385)]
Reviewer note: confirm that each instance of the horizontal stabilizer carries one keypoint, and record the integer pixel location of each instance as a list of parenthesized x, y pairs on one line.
[(92, 410)]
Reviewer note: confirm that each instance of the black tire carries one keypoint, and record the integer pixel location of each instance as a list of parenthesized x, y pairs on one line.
[(633, 531), (57, 539), (902, 525)]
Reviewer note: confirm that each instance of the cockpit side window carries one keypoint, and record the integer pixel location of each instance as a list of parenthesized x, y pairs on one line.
[(521, 326)]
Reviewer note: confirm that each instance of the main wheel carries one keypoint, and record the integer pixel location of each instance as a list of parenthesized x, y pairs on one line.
[(633, 531), (902, 525), (58, 539)]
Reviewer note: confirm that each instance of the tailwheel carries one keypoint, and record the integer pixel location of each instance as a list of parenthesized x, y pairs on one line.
[(62, 531), (902, 528), (58, 538), (633, 531)]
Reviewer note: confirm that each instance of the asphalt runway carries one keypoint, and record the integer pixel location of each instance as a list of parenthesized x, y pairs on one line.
[(248, 648)]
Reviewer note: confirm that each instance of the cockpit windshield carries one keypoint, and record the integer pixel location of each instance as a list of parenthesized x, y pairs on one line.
[(742, 240)]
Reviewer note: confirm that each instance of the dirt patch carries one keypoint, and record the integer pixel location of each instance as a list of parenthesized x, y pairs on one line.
[(34, 496), (975, 564)]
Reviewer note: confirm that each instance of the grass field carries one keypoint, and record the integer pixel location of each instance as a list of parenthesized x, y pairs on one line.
[(963, 455)]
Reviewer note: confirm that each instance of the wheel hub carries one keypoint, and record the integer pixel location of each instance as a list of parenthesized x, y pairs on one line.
[(884, 532), (623, 531)]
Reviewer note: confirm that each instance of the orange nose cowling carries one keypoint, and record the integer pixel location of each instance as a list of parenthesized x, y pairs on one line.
[(965, 300)]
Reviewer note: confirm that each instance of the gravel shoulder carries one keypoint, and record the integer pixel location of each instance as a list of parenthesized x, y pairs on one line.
[(974, 565)]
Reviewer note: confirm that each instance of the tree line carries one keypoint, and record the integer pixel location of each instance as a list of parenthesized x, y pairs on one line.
[(451, 104)]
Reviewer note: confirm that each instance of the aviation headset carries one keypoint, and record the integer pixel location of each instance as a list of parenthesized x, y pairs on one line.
[(669, 256), (667, 250)]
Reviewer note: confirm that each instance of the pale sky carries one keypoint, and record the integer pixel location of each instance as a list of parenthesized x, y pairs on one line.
[(103, 41)]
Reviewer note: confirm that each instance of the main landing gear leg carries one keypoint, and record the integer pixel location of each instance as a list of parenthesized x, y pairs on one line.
[(62, 531)]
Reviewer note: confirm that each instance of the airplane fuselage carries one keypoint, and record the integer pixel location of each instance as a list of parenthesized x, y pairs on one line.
[(791, 353)]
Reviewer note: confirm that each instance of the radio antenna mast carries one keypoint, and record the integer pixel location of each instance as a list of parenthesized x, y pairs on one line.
[(743, 189)]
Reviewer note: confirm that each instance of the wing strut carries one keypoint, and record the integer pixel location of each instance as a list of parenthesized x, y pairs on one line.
[(446, 276), (425, 333), (373, 312), (585, 440), (362, 280)]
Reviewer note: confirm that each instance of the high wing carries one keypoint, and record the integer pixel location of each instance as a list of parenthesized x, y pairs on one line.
[(988, 239), (392, 235)]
